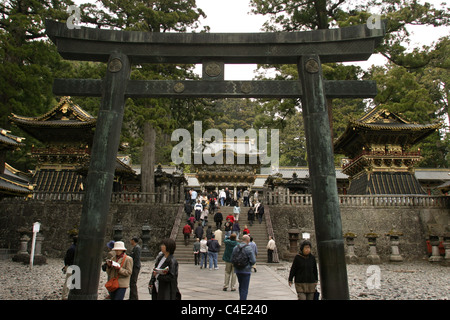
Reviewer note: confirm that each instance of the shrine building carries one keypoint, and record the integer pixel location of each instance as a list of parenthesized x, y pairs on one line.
[(380, 160), (67, 132), (238, 174)]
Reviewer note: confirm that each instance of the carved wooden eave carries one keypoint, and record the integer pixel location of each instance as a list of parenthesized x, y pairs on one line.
[(65, 122), (14, 183), (9, 141)]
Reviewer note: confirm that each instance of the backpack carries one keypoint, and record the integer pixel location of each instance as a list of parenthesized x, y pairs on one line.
[(240, 258)]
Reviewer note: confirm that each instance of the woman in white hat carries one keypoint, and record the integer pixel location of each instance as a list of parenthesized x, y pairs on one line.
[(123, 267)]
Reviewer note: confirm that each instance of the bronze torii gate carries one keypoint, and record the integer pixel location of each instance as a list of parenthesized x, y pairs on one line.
[(307, 50)]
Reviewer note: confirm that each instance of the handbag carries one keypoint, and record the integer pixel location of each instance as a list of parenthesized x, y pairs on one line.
[(113, 283), (316, 295)]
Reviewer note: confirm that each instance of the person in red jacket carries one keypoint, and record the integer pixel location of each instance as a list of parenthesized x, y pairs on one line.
[(230, 218), (187, 232)]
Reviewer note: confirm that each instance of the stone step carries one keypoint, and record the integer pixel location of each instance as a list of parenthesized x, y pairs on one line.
[(184, 254)]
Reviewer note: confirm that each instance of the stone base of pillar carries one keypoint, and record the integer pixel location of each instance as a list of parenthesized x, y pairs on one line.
[(21, 257), (374, 259), (349, 259), (435, 259), (39, 260), (146, 256), (395, 258)]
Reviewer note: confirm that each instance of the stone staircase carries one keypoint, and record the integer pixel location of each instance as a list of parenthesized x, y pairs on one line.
[(184, 254)]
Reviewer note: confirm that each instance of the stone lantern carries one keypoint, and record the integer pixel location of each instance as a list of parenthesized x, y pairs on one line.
[(117, 231), (293, 244), (145, 252), (446, 244), (394, 240), (293, 240), (350, 256), (22, 255), (373, 257), (435, 256)]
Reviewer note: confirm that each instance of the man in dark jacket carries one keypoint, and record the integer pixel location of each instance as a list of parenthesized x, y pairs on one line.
[(251, 216), (304, 270), (68, 261), (218, 218), (188, 209), (198, 232), (213, 252), (136, 255), (260, 212)]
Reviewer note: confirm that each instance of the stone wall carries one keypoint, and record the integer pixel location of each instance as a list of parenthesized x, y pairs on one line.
[(415, 224), (57, 218)]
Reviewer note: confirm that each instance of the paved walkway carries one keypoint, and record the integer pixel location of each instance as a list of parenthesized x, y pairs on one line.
[(202, 284)]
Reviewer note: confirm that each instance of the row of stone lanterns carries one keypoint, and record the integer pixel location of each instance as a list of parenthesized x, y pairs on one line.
[(394, 239), (373, 257), (23, 255)]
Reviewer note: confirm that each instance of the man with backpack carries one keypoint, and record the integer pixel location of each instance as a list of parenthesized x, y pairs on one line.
[(243, 258)]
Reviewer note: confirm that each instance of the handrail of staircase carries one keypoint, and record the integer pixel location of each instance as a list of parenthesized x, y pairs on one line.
[(270, 232), (176, 224)]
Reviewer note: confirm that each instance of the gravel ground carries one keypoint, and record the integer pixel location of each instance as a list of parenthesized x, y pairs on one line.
[(419, 280), (404, 281)]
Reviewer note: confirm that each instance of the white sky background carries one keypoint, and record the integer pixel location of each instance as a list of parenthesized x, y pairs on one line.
[(234, 16), (228, 16)]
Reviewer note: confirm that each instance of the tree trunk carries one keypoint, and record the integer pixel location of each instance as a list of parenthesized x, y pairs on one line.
[(148, 159)]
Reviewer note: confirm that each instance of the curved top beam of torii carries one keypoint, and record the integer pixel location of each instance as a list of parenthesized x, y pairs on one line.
[(355, 43), (213, 50)]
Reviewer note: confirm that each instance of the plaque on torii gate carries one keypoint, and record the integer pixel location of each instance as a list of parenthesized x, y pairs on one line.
[(308, 49)]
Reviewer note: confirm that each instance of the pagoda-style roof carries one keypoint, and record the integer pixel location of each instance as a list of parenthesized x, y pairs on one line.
[(71, 179), (381, 127), (9, 141), (385, 183), (14, 183), (66, 122)]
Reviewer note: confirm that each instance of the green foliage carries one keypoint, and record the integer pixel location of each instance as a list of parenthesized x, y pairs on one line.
[(28, 65), (165, 115), (414, 84)]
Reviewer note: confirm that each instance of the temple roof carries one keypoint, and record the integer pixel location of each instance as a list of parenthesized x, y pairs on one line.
[(9, 141), (380, 126), (14, 183), (385, 183), (65, 121)]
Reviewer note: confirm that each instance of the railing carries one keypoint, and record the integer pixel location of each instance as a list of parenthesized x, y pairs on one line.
[(116, 197), (273, 198), (270, 232), (176, 225)]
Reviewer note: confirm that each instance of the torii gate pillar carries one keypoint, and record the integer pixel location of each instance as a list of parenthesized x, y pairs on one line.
[(327, 217)]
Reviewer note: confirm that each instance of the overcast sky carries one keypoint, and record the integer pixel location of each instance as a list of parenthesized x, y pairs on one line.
[(234, 16)]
